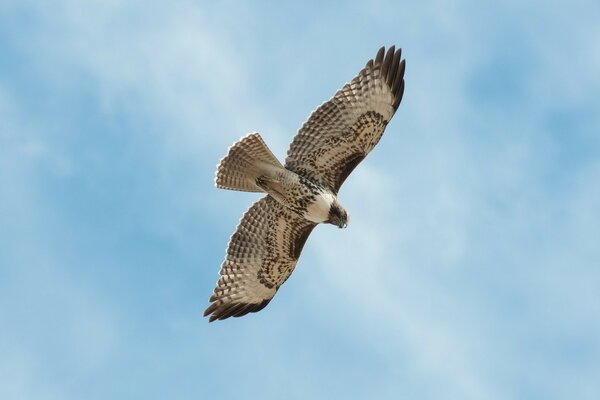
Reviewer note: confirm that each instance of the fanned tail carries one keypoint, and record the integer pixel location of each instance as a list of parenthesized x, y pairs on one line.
[(246, 160)]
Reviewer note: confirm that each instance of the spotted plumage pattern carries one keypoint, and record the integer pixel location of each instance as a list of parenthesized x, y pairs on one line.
[(338, 135), (261, 255), (342, 131)]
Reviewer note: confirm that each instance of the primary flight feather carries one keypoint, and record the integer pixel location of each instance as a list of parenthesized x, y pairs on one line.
[(339, 134)]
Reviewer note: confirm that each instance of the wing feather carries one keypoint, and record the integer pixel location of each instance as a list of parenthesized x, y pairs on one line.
[(341, 132), (261, 256)]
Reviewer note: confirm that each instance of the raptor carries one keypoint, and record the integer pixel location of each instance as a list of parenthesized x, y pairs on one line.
[(302, 193)]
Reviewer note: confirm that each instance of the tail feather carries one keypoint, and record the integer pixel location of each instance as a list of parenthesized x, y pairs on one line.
[(246, 160)]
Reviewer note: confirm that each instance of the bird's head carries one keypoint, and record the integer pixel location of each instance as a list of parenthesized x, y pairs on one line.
[(337, 215)]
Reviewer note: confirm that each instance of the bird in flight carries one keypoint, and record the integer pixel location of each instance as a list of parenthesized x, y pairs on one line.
[(263, 251)]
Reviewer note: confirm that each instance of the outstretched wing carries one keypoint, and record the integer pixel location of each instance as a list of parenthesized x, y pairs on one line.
[(342, 131), (261, 255)]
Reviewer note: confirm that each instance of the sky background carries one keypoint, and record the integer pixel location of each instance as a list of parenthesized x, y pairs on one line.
[(471, 265)]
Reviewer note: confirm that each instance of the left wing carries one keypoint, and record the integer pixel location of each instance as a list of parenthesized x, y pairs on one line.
[(342, 131), (261, 256)]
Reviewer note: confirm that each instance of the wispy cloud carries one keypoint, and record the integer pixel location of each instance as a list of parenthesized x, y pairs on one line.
[(468, 267), (470, 247)]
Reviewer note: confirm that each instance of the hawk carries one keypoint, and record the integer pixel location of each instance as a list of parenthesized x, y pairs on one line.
[(338, 135)]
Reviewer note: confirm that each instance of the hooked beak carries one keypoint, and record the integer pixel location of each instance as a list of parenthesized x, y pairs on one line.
[(343, 223)]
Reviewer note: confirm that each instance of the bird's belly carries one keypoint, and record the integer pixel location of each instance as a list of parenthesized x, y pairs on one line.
[(318, 211)]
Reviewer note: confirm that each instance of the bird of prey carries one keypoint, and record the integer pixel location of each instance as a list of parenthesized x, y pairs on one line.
[(338, 135)]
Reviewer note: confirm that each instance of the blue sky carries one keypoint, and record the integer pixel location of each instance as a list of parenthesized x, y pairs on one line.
[(471, 266)]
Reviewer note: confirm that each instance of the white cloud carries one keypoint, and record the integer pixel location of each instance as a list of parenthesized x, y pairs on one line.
[(47, 309), (177, 65), (460, 254), (453, 203)]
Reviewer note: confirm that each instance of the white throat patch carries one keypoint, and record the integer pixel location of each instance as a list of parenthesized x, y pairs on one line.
[(318, 211)]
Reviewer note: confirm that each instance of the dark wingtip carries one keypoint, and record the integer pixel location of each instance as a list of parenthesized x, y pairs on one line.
[(393, 69), (236, 309), (210, 309), (387, 61), (401, 69), (399, 77), (379, 56), (399, 96), (392, 72)]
